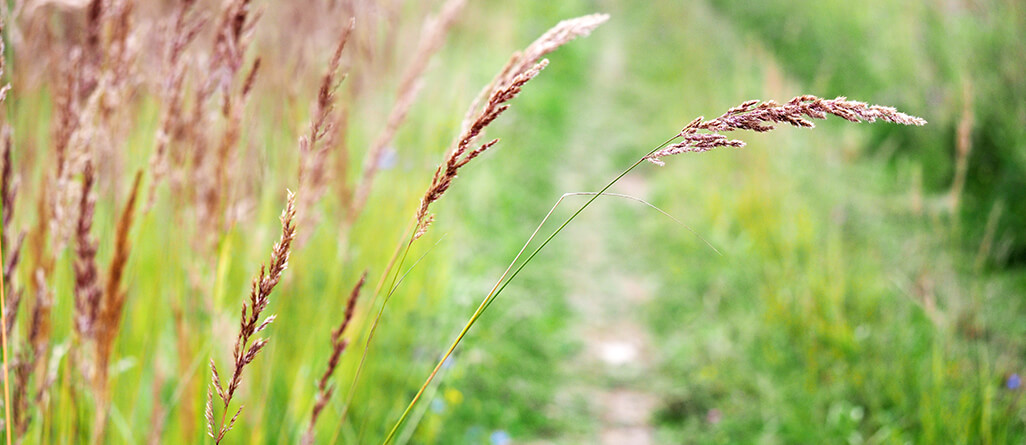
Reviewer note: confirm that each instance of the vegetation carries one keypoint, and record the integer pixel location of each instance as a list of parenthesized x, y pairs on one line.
[(849, 284)]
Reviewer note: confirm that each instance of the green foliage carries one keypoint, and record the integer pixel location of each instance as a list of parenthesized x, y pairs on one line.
[(837, 312), (920, 55)]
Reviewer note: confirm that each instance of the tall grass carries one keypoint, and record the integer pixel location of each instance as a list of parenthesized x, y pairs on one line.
[(194, 110)]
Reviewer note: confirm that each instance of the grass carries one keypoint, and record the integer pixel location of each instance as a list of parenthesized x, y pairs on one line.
[(812, 326), (836, 298)]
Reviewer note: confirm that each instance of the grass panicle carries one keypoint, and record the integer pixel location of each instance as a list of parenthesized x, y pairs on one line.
[(8, 194), (113, 303), (321, 137), (87, 279), (246, 348), (338, 345), (12, 252), (222, 105), (18, 400), (107, 322), (27, 361), (432, 37), (463, 154), (748, 116), (757, 116), (181, 30), (523, 61), (521, 68), (7, 200), (216, 186)]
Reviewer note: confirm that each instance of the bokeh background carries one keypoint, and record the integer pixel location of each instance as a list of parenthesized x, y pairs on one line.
[(847, 284)]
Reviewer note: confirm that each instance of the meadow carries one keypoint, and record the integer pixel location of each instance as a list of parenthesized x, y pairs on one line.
[(167, 164)]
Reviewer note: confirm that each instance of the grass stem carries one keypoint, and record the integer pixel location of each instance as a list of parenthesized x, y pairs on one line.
[(401, 254), (3, 338), (501, 284)]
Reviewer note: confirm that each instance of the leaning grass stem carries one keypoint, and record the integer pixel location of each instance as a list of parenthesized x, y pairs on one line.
[(3, 339), (699, 135), (397, 279), (374, 324), (405, 436), (502, 282)]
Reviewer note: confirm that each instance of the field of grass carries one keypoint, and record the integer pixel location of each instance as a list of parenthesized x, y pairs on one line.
[(819, 287)]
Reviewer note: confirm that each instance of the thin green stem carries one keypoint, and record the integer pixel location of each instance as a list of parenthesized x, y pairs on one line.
[(374, 325), (3, 330), (500, 285)]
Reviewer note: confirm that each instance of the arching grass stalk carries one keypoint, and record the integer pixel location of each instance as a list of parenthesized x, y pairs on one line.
[(392, 270), (399, 255), (597, 194), (699, 135), (492, 103), (3, 340), (503, 281), (433, 388)]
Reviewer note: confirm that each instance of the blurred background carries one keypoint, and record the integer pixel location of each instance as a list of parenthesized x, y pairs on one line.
[(846, 284)]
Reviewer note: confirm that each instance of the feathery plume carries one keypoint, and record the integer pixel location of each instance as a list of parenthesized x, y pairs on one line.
[(338, 346), (462, 154), (522, 61), (8, 315), (245, 350), (28, 359), (109, 317), (317, 143), (431, 39), (521, 68), (212, 175), (87, 280), (11, 253), (182, 31), (107, 322), (760, 117), (8, 194)]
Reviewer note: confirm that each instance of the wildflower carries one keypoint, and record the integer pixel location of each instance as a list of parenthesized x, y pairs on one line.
[(447, 363), (438, 406), (1013, 382), (453, 396), (714, 416), (500, 437), (389, 158)]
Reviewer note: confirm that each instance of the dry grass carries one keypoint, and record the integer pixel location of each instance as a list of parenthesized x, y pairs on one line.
[(87, 285), (182, 30), (98, 307), (521, 68), (247, 348), (7, 190), (316, 145), (95, 60), (759, 117), (338, 345), (431, 40), (111, 306)]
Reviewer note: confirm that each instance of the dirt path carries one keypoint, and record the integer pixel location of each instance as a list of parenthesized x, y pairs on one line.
[(615, 364)]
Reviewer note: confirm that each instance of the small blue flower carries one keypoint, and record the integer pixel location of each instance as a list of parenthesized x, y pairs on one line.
[(447, 363), (438, 405), (1014, 382), (388, 158), (500, 437)]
